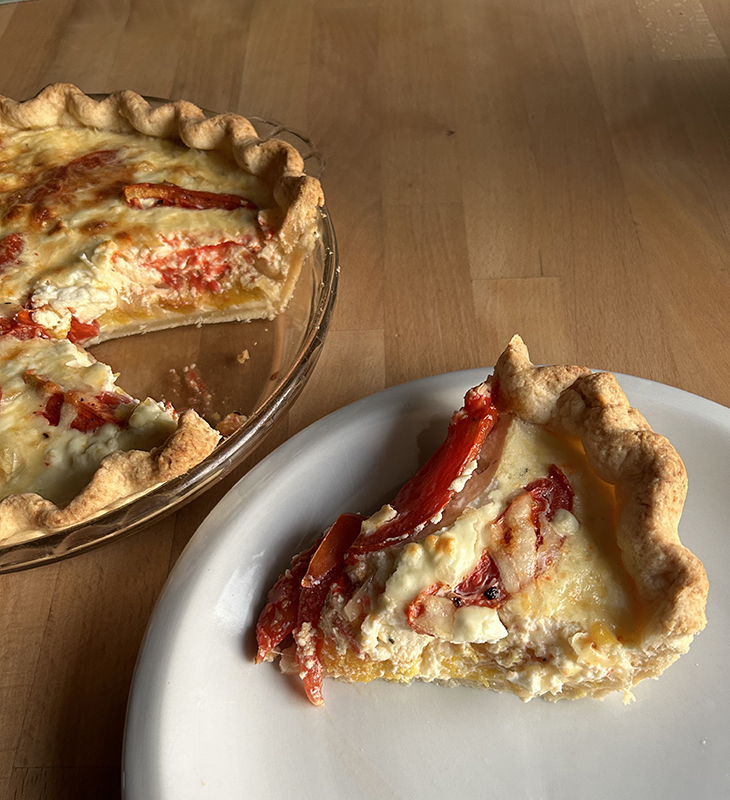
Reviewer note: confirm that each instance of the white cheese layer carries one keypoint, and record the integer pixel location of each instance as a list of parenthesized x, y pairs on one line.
[(477, 624), (56, 460)]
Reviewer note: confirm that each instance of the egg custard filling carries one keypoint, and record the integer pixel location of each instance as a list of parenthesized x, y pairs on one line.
[(73, 443), (62, 414), (104, 233), (536, 552)]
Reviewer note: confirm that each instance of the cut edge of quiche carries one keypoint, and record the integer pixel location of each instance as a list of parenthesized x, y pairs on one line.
[(536, 552), (286, 232)]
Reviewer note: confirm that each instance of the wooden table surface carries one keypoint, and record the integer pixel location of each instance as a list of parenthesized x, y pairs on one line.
[(559, 169)]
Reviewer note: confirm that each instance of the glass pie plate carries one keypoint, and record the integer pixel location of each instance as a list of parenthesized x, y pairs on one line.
[(251, 368)]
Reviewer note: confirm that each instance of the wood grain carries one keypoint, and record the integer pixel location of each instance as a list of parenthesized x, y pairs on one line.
[(557, 168)]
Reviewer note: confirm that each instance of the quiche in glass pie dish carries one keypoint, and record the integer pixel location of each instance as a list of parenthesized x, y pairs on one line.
[(536, 552), (121, 217)]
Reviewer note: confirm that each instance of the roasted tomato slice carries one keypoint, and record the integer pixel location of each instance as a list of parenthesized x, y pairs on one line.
[(22, 327), (148, 195), (415, 608), (279, 617), (483, 587), (92, 411), (325, 568), (82, 331), (11, 246), (426, 494), (551, 493), (52, 411), (295, 603), (61, 184)]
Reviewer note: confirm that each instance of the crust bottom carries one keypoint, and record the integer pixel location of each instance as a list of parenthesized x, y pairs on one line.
[(470, 665), (548, 685), (238, 314)]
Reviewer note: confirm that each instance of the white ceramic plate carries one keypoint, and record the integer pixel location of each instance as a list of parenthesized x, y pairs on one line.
[(204, 722)]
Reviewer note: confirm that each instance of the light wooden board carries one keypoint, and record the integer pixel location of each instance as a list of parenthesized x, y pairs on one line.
[(555, 168)]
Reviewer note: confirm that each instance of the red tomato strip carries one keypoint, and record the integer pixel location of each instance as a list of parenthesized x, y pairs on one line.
[(299, 596), (82, 331), (310, 668), (56, 181), (331, 552), (483, 587), (415, 607), (279, 616), (426, 494), (325, 568), (197, 269), (11, 246), (22, 327), (550, 494), (91, 412), (59, 182), (168, 194), (52, 411)]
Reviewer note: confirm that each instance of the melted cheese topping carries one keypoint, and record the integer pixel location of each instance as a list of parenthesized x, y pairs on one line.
[(87, 253), (583, 603), (56, 460)]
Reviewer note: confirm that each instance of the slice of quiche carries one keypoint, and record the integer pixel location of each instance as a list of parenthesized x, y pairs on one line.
[(536, 552)]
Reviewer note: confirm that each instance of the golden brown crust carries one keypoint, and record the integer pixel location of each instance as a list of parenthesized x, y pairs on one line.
[(275, 161), (120, 476), (650, 481)]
